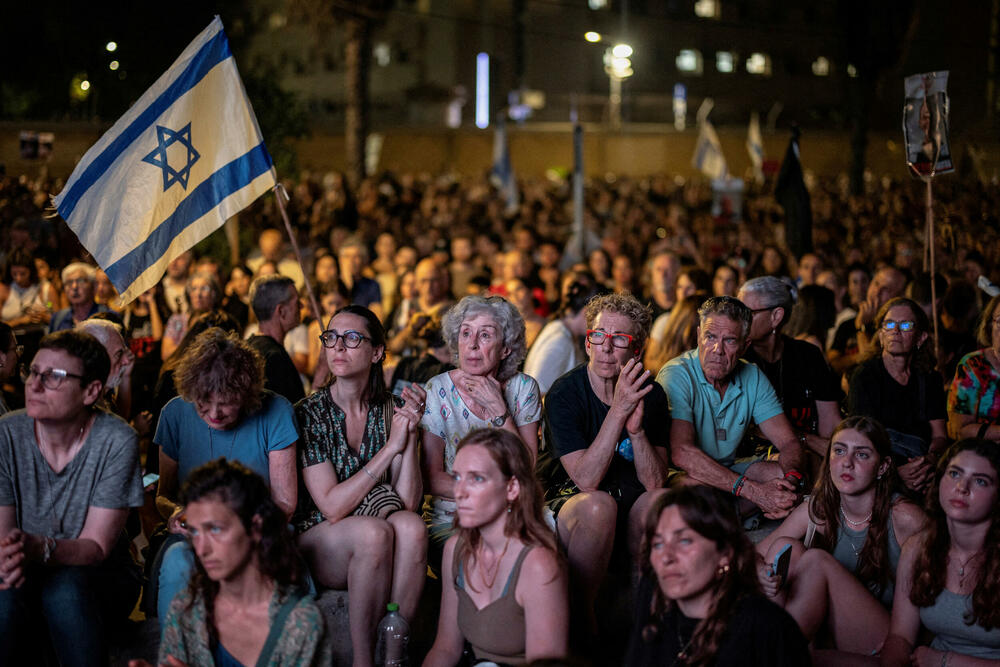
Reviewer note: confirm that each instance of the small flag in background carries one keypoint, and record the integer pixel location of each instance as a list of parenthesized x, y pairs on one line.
[(755, 147), (185, 157), (791, 193), (708, 157), (502, 174)]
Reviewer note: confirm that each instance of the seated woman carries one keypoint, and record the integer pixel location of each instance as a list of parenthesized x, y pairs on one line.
[(898, 386), (21, 301), (948, 580), (845, 542), (504, 584), (486, 336), (698, 601), (974, 398), (247, 603), (358, 527), (223, 411)]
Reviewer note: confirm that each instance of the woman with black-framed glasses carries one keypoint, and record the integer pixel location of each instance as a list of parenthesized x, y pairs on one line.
[(359, 459), (898, 386)]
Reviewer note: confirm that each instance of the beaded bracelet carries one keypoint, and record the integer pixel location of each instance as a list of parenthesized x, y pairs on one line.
[(738, 486)]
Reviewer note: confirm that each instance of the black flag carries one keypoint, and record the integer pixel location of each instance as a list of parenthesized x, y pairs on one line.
[(792, 195)]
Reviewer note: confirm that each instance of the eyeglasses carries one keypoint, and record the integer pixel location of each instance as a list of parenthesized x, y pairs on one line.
[(51, 378), (905, 325), (352, 339), (754, 311), (597, 337)]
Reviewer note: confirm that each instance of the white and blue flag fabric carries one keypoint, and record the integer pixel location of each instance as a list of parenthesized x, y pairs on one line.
[(185, 157), (502, 174)]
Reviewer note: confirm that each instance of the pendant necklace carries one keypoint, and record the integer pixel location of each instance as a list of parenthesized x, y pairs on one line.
[(961, 568), (56, 522), (682, 655)]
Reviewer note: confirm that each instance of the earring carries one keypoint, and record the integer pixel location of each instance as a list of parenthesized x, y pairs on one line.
[(774, 331), (510, 506), (723, 570)]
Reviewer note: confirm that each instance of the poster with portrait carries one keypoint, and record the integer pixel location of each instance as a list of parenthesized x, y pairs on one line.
[(925, 124)]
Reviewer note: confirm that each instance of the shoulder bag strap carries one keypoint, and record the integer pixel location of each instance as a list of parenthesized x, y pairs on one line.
[(277, 629)]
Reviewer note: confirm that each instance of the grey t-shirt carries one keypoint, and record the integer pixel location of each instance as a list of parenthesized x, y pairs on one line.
[(104, 473)]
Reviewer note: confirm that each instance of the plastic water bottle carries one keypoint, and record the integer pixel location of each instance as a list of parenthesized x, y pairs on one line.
[(393, 638)]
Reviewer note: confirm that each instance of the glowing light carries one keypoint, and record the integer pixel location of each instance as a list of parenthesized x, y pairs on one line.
[(111, 46), (622, 51), (84, 85), (482, 90), (592, 37), (113, 65)]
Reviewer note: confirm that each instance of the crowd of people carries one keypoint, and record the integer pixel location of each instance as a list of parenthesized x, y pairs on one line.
[(769, 459)]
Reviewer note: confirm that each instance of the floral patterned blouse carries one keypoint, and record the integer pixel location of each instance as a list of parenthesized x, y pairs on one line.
[(303, 640), (323, 437), (447, 416), (975, 390)]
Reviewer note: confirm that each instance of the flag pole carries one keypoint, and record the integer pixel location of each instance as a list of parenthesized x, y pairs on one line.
[(281, 195), (929, 205)]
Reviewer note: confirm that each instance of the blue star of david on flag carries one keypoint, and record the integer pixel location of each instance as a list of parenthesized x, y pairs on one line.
[(158, 157)]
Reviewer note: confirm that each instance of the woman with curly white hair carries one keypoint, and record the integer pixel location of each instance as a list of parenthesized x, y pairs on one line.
[(487, 341)]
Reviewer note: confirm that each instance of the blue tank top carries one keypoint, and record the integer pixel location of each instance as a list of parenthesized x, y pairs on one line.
[(946, 619)]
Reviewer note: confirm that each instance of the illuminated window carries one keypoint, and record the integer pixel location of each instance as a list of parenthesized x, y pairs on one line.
[(382, 54), (759, 63), (852, 71), (689, 61), (597, 4), (725, 61), (707, 9), (821, 66)]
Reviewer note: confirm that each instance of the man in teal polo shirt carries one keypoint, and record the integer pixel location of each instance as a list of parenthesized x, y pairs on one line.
[(714, 398)]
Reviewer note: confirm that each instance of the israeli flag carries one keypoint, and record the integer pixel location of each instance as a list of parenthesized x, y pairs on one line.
[(186, 156), (755, 147), (708, 157), (502, 174)]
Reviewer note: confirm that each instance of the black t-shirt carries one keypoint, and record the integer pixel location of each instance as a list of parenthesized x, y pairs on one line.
[(907, 409), (573, 417), (280, 373), (759, 633), (800, 378)]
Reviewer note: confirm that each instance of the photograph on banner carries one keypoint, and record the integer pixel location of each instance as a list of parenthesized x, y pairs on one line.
[(925, 123)]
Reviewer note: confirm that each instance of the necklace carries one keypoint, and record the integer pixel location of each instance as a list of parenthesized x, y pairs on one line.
[(682, 655), (961, 568), (211, 444), (54, 517), (483, 570), (854, 523)]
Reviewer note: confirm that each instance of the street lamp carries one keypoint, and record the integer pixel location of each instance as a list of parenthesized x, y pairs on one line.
[(618, 66)]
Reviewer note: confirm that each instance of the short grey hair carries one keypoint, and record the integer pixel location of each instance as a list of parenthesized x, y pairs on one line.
[(89, 272), (774, 291), (507, 318), (726, 306), (267, 292)]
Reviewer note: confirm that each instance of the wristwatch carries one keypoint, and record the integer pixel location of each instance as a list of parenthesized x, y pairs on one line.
[(501, 420)]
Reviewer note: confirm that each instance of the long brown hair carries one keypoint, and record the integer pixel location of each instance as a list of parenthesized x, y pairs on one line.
[(248, 496), (680, 334), (824, 508), (710, 513), (524, 516), (930, 570)]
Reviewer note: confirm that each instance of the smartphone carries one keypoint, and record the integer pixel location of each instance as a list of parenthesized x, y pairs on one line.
[(781, 562), (151, 478)]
